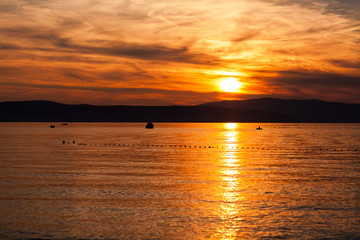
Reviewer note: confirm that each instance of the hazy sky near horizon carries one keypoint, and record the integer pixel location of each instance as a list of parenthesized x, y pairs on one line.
[(162, 52)]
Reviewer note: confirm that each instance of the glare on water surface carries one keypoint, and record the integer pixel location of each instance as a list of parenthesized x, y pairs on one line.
[(187, 181)]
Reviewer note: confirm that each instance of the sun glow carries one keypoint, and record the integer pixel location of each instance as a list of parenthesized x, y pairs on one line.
[(230, 84), (230, 125)]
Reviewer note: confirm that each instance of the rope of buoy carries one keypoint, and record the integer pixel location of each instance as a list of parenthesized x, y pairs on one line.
[(217, 147)]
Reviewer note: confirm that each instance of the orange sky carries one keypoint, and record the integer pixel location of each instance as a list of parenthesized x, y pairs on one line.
[(150, 52)]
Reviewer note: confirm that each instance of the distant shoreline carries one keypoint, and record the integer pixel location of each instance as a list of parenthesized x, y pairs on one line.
[(266, 110), (144, 122)]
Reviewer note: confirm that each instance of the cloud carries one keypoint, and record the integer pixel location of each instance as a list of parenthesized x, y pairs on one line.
[(344, 8), (151, 52), (245, 36), (346, 63), (127, 75), (52, 41), (309, 79), (306, 84), (7, 7), (8, 70), (9, 46)]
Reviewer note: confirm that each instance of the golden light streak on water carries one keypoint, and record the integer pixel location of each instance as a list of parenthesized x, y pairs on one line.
[(229, 210)]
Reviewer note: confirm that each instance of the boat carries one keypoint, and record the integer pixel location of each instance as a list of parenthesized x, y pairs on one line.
[(64, 124), (52, 126), (149, 125), (259, 128)]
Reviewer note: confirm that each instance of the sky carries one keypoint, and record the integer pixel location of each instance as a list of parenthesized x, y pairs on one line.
[(165, 52)]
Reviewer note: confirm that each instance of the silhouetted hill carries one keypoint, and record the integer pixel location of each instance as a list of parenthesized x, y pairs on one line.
[(45, 111), (255, 110), (302, 110)]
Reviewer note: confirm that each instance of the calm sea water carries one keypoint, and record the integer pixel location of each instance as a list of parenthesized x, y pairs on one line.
[(179, 181)]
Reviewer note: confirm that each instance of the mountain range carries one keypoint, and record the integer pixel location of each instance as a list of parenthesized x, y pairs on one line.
[(254, 110)]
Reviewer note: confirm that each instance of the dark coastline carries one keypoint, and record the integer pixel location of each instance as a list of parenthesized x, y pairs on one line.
[(257, 110)]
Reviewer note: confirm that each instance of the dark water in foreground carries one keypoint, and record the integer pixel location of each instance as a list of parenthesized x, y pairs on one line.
[(179, 181)]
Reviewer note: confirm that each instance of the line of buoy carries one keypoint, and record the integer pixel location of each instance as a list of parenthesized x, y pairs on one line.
[(217, 147)]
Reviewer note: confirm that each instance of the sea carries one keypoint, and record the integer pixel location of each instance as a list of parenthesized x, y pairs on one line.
[(179, 181)]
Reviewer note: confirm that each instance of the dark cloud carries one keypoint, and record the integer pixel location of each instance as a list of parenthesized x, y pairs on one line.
[(316, 84), (246, 37), (54, 42), (304, 79), (9, 8), (348, 8), (78, 75), (4, 71), (346, 63), (151, 52), (126, 75), (73, 58), (30, 37), (9, 46), (345, 8)]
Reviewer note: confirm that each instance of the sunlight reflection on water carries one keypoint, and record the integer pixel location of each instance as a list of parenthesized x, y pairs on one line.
[(231, 196), (179, 181)]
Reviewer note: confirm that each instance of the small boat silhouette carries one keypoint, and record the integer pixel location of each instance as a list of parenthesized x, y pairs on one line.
[(64, 124), (52, 126), (259, 128), (149, 125)]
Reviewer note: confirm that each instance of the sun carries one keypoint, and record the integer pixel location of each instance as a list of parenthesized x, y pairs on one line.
[(230, 84)]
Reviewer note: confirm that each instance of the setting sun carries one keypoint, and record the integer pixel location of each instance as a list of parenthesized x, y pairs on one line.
[(230, 84)]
